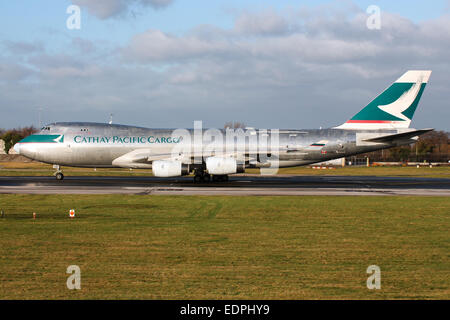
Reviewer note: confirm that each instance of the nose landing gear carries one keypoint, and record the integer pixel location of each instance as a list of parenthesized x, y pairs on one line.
[(58, 174)]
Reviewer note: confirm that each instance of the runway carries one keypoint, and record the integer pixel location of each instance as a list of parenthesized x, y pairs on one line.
[(243, 185)]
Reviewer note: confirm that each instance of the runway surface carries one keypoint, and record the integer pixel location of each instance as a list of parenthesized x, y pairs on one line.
[(238, 185)]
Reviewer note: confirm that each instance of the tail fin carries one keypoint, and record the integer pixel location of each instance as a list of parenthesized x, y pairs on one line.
[(395, 107)]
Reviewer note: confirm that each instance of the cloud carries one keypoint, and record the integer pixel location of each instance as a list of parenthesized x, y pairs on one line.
[(294, 69), (23, 48), (83, 45), (325, 41), (104, 9), (155, 45), (156, 3), (266, 22), (12, 73)]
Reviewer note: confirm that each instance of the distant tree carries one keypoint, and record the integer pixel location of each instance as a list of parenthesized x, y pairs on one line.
[(11, 137), (234, 125), (425, 147), (432, 145), (400, 153), (27, 131)]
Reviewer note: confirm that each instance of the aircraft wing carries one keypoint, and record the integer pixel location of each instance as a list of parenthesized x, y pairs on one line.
[(143, 158), (398, 136), (134, 159)]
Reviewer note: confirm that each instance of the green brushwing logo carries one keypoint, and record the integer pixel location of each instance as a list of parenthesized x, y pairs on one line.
[(397, 103), (44, 138)]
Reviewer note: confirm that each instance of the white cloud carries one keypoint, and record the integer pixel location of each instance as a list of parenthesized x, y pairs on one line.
[(12, 72), (155, 45), (104, 9), (269, 70), (267, 22), (23, 48)]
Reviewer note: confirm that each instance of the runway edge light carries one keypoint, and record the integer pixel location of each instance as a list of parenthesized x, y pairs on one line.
[(72, 213)]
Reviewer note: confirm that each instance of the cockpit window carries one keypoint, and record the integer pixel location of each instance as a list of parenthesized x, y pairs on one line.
[(45, 129), (84, 129)]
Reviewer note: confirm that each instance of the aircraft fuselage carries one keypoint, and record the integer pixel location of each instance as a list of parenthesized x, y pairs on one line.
[(98, 145)]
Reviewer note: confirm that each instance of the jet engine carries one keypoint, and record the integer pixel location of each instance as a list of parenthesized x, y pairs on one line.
[(169, 168), (221, 166)]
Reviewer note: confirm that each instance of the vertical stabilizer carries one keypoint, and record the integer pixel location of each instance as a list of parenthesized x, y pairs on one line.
[(395, 107)]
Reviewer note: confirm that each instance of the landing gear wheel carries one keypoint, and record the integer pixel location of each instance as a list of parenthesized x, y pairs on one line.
[(59, 176), (207, 177), (198, 178)]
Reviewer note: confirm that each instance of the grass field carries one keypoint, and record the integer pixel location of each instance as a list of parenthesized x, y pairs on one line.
[(40, 169), (183, 247)]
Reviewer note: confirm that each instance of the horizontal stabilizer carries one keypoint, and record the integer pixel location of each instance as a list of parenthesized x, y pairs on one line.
[(398, 136)]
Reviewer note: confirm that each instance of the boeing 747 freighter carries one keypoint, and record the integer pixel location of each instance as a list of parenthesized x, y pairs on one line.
[(212, 154)]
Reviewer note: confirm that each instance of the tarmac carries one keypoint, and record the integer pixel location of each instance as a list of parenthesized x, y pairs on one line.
[(241, 185)]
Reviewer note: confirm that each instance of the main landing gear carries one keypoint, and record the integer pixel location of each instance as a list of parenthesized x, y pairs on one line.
[(201, 176), (58, 174)]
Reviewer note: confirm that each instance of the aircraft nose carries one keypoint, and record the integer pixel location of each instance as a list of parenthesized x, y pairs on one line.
[(17, 148), (26, 149)]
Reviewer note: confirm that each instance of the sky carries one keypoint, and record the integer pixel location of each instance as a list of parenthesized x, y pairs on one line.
[(167, 63)]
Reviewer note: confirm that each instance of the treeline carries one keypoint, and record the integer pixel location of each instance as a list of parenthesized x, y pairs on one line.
[(431, 147), (11, 137)]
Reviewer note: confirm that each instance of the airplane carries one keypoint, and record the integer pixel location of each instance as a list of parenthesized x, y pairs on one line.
[(211, 155)]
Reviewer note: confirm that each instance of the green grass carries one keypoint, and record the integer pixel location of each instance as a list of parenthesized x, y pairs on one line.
[(194, 247), (40, 169)]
